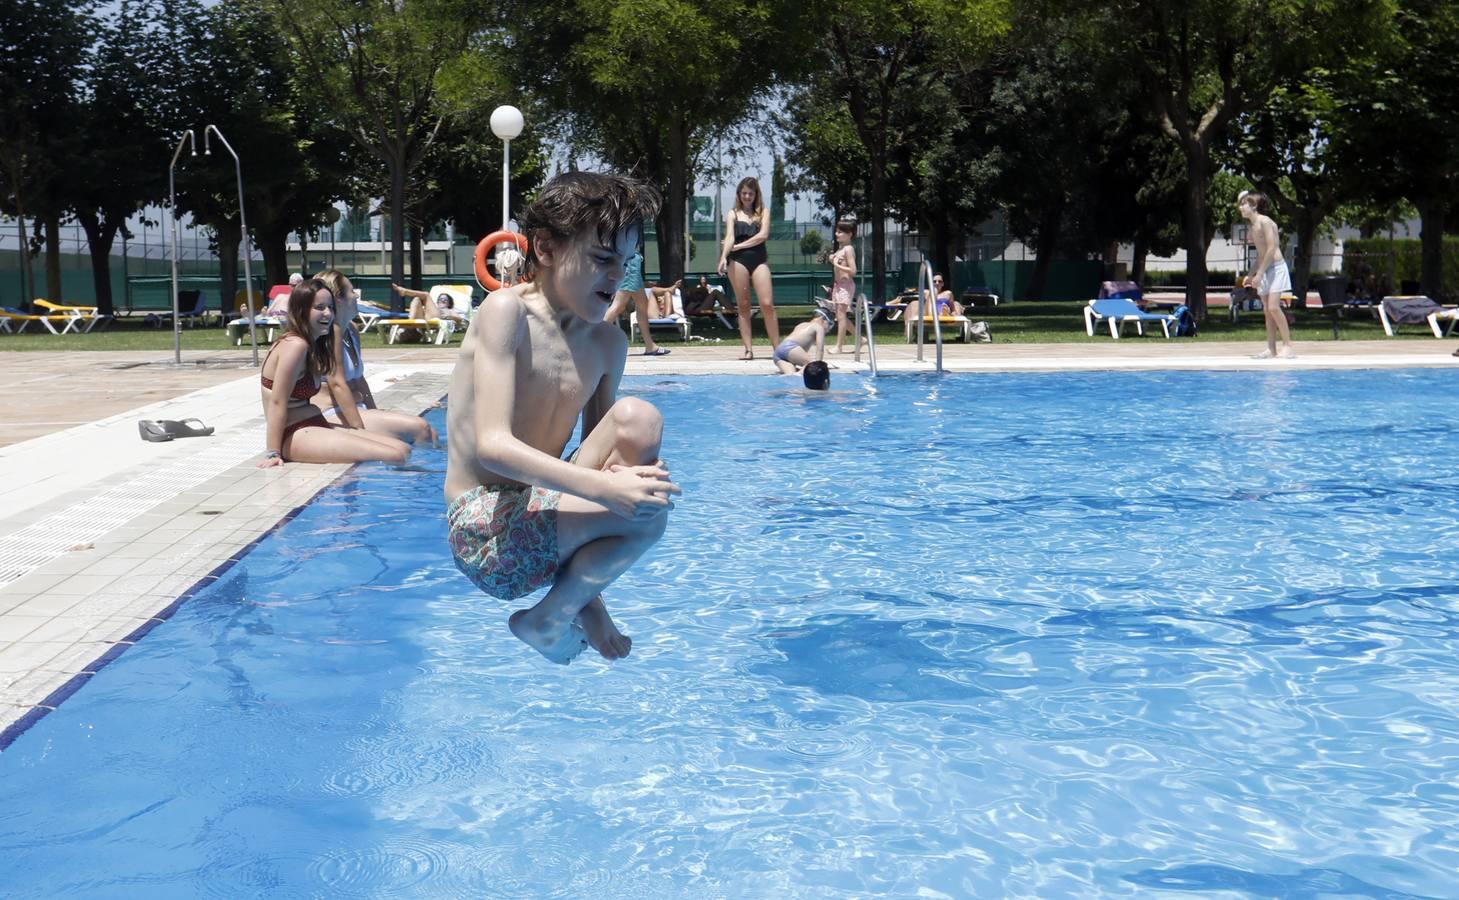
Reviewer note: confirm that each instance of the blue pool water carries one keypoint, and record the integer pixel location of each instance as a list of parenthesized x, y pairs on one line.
[(1053, 635)]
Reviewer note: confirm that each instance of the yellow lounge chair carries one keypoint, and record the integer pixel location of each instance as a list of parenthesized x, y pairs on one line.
[(960, 324), (13, 319), (438, 331), (86, 314)]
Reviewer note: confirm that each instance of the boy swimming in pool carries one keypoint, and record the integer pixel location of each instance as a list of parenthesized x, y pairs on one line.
[(537, 355)]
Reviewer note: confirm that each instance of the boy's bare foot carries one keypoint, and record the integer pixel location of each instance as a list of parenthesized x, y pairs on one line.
[(562, 647), (602, 634), (1287, 353), (1265, 354)]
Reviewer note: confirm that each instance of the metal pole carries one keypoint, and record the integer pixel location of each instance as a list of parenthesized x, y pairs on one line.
[(242, 223), (925, 290), (861, 302), (506, 182), (189, 138)]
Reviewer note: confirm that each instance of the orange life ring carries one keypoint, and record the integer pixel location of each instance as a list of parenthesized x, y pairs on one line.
[(485, 246)]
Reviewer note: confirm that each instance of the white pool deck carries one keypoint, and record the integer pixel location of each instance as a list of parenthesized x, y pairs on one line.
[(102, 533)]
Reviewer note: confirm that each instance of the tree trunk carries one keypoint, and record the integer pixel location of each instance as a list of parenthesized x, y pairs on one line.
[(1139, 252), (1306, 219), (27, 273), (417, 258), (99, 239), (1432, 213), (397, 229), (272, 242), (878, 233), (229, 237), (53, 258), (1197, 164), (670, 221), (1048, 240), (939, 230)]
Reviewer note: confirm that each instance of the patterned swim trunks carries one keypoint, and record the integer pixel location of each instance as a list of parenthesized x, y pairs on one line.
[(504, 538)]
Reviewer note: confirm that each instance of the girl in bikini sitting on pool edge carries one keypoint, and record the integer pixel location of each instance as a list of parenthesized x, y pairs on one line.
[(296, 429)]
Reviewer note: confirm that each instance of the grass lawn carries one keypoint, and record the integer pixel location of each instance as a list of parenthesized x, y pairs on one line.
[(1017, 322)]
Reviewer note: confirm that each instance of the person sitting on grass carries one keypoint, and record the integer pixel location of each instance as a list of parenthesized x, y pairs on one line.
[(296, 430), (538, 355), (795, 351), (345, 396)]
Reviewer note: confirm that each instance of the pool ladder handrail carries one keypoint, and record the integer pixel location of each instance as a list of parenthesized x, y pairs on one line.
[(863, 316), (924, 284)]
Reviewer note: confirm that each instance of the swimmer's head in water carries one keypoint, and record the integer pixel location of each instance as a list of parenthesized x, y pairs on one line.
[(817, 375)]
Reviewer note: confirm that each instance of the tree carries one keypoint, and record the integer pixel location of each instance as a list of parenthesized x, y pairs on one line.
[(42, 45), (1409, 144), (647, 98), (877, 58), (118, 161), (1205, 62), (378, 67)]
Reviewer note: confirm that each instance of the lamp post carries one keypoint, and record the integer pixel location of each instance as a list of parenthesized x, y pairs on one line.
[(187, 137), (243, 224), (506, 123)]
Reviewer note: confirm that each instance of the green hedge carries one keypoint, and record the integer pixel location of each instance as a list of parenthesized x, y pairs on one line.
[(1392, 262)]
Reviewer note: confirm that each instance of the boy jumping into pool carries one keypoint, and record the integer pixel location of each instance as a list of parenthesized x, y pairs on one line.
[(536, 356)]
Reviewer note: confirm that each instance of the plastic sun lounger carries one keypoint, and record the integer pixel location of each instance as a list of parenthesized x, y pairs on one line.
[(439, 330), (1449, 315), (86, 314), (1119, 310), (370, 315), (962, 324), (14, 318), (675, 320)]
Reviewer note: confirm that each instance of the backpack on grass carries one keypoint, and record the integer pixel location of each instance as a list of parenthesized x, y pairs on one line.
[(1185, 322)]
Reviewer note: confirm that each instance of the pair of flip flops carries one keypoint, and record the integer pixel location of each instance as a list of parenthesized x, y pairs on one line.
[(162, 430), (657, 351)]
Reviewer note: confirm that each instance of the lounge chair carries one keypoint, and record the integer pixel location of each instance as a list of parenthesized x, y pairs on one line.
[(675, 319), (1119, 310), (238, 328), (1412, 309), (191, 307), (959, 324), (973, 295), (370, 315), (86, 314), (19, 321), (438, 330)]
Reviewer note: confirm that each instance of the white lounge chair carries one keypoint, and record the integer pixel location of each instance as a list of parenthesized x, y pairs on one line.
[(1119, 310), (1434, 315), (675, 319)]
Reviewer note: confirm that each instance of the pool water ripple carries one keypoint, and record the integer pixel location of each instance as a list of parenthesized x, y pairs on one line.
[(1058, 635)]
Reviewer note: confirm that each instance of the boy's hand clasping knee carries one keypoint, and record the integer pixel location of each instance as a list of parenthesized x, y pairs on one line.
[(639, 492)]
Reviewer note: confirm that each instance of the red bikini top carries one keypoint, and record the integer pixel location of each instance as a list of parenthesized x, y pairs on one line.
[(304, 388)]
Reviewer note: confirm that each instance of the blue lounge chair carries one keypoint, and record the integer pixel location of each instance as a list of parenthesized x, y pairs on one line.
[(1119, 310)]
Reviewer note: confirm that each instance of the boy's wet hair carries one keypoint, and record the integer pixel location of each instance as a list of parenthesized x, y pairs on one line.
[(1259, 201), (817, 375), (575, 202)]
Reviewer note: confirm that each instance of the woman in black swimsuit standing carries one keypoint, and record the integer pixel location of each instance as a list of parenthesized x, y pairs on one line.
[(744, 257)]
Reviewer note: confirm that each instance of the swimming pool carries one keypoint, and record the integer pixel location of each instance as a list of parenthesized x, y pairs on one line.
[(1087, 634)]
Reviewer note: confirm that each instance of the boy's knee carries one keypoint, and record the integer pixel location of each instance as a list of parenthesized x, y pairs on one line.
[(639, 422)]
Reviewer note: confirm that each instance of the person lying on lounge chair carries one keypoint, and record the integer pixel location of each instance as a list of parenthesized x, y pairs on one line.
[(424, 306)]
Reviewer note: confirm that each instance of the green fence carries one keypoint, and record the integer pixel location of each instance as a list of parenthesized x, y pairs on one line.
[(1382, 265)]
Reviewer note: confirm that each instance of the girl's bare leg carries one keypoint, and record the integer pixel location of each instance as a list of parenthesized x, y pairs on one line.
[(766, 296), (841, 326), (644, 309), (621, 299), (399, 425), (313, 444), (740, 281)]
